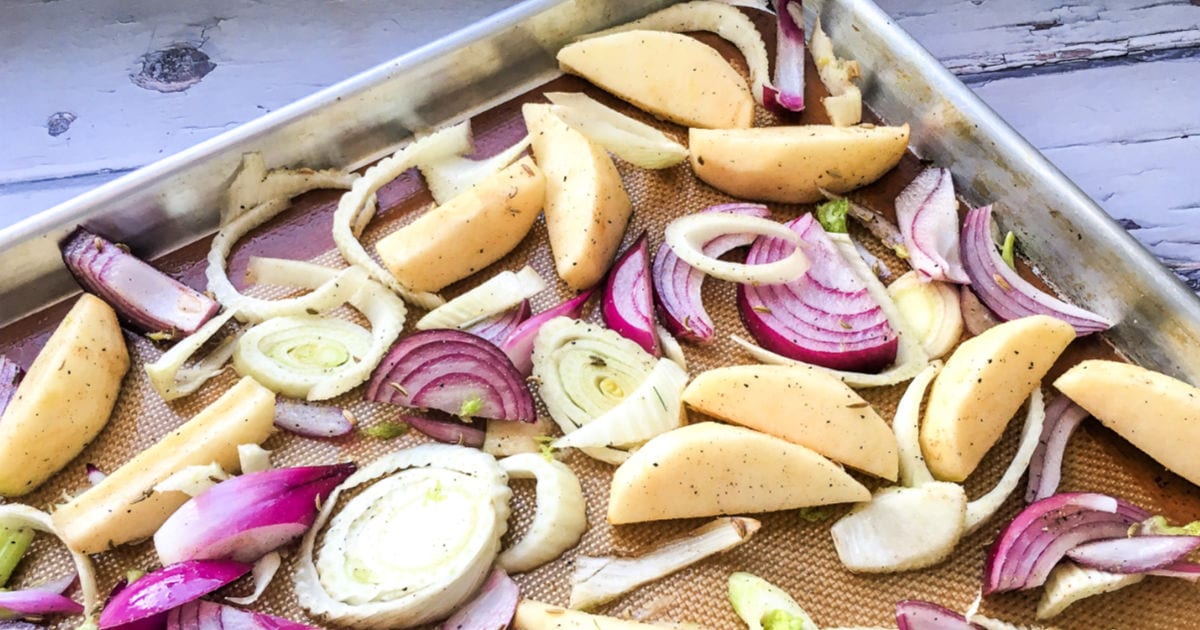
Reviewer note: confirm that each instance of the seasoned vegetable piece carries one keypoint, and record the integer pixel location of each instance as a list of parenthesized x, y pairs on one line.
[(793, 164), (688, 83), (124, 507), (467, 233), (804, 406), (982, 386), (1156, 413), (709, 469), (533, 615), (65, 399)]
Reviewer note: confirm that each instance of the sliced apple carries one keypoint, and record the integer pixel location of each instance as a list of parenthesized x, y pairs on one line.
[(802, 405), (1156, 413), (586, 204), (710, 469), (793, 164), (982, 385), (472, 230), (686, 82)]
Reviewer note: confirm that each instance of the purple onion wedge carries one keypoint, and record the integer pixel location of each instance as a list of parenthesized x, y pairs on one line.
[(10, 377), (247, 516), (455, 372), (787, 93), (447, 428), (492, 607), (201, 614), (498, 327), (918, 615), (145, 298), (1006, 293), (1063, 416), (677, 285), (628, 306), (1138, 554), (519, 345), (316, 421), (37, 601), (927, 211), (827, 317), (167, 588)]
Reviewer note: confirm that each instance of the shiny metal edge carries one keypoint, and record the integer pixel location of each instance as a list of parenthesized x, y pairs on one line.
[(1077, 247)]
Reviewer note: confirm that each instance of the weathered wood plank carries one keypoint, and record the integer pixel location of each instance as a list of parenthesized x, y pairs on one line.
[(985, 36)]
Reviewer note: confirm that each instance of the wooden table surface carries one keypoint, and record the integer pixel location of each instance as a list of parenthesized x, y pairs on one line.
[(1109, 90)]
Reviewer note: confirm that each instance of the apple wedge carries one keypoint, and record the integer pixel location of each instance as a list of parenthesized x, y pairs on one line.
[(981, 387), (793, 164), (586, 204), (710, 469), (687, 83), (472, 230), (1154, 412), (802, 405)]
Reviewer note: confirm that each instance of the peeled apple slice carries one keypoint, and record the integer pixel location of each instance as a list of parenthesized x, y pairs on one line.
[(412, 545), (902, 529), (560, 518)]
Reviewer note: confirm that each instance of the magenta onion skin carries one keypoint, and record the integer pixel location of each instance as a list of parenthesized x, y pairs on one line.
[(787, 93), (167, 588), (1007, 294), (38, 601), (145, 298), (10, 376), (1042, 533), (492, 607), (914, 614), (677, 285), (448, 429), (452, 371), (245, 517), (498, 327), (1138, 554), (201, 615), (927, 212), (628, 305), (1063, 416), (827, 317), (519, 345), (315, 421)]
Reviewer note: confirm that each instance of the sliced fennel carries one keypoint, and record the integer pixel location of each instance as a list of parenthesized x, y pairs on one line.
[(560, 518), (168, 375), (1069, 583), (670, 347), (496, 295), (253, 458), (906, 426), (984, 507), (595, 581), (755, 600), (629, 139), (687, 236), (931, 309), (655, 407), (193, 480), (910, 356), (844, 103), (255, 184), (413, 545), (901, 529), (503, 439), (584, 370), (357, 207), (313, 356), (448, 175), (264, 571)]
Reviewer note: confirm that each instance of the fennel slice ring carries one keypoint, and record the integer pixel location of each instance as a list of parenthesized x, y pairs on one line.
[(559, 520)]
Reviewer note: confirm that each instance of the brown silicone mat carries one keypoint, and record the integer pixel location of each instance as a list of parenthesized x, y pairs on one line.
[(793, 549)]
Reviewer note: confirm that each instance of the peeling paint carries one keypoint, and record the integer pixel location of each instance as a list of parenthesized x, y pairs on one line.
[(59, 122), (172, 69)]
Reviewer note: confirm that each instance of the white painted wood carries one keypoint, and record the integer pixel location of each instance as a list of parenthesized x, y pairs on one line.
[(976, 36)]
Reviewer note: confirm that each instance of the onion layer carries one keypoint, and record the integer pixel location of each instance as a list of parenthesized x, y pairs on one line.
[(201, 614), (687, 236), (447, 429), (1006, 293), (168, 588), (1063, 416), (168, 375), (492, 608), (788, 91), (628, 297), (928, 215), (499, 327), (311, 420), (677, 284), (918, 615), (1139, 554), (559, 520), (519, 344)]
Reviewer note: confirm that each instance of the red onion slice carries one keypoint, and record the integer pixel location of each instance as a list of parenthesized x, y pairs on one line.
[(928, 214), (628, 305), (1063, 416), (519, 345), (976, 317), (918, 615), (448, 429), (247, 516), (455, 372), (94, 474), (498, 327), (45, 599), (677, 285), (1007, 294), (827, 317), (168, 588), (492, 607), (145, 298), (206, 615), (787, 93), (1138, 554), (10, 377), (1030, 546), (314, 421), (1183, 570)]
